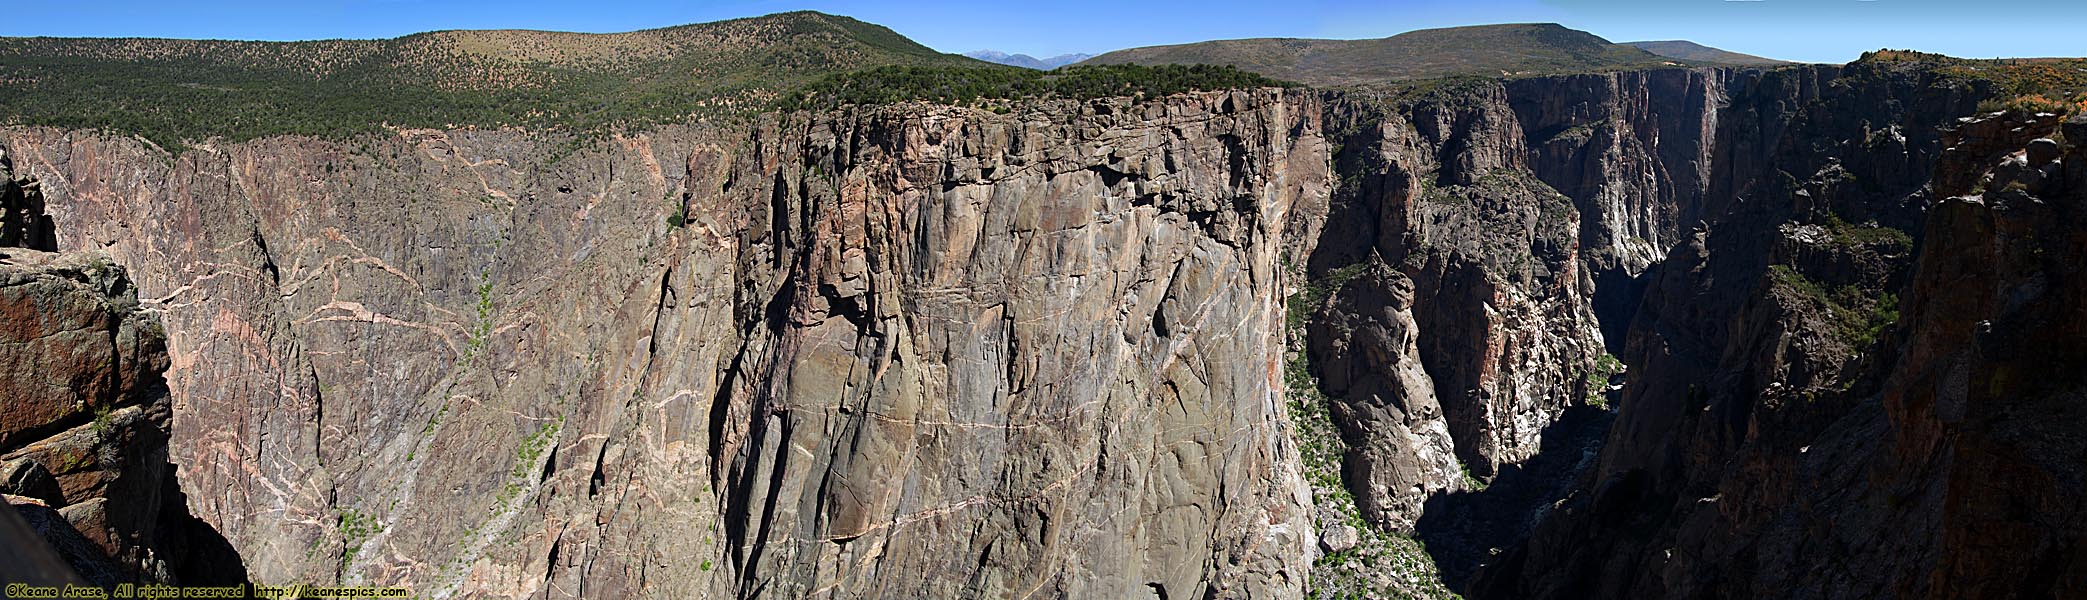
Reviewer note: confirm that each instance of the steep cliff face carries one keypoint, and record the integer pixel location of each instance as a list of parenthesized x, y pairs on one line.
[(1800, 427), (83, 417), (1499, 206), (888, 352), (1486, 245), (991, 327), (1989, 377), (1636, 151), (1483, 297)]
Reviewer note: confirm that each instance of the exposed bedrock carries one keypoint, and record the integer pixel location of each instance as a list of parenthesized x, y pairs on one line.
[(895, 352), (1522, 216), (1837, 395), (83, 420)]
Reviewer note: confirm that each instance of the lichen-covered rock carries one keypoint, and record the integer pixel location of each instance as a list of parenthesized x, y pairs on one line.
[(27, 478), (86, 419)]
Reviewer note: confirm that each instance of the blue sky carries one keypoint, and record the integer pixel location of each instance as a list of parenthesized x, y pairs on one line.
[(1809, 30)]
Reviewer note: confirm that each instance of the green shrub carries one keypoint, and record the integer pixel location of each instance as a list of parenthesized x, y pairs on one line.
[(1848, 235), (355, 527), (2031, 104), (1858, 317), (1605, 367)]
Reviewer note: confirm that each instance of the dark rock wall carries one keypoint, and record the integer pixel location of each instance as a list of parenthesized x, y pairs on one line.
[(1785, 432), (23, 223)]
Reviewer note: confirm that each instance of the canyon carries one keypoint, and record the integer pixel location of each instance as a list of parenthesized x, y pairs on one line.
[(1670, 332)]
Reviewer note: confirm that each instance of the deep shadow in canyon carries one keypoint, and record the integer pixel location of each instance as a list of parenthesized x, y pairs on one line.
[(1462, 529)]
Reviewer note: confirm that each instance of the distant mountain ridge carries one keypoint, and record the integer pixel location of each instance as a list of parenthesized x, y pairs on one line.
[(1486, 50), (171, 89), (1687, 50), (174, 91), (1027, 61)]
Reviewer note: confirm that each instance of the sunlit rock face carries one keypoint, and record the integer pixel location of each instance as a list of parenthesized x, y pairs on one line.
[(909, 351)]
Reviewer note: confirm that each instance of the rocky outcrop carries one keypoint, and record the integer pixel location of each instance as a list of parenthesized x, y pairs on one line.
[(26, 556), (83, 416), (1987, 386), (23, 223), (1399, 447)]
